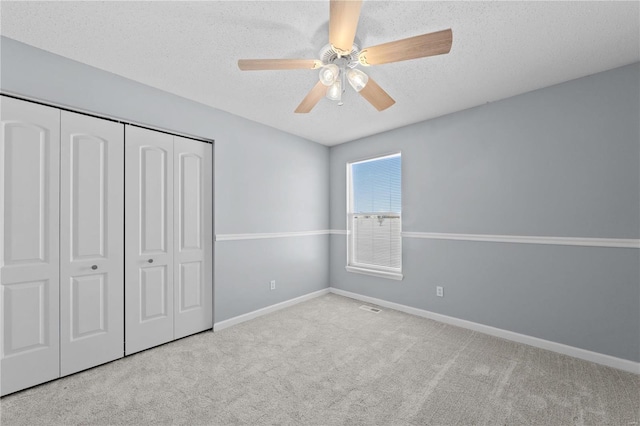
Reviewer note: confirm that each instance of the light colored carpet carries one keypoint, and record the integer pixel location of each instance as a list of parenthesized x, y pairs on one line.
[(326, 362)]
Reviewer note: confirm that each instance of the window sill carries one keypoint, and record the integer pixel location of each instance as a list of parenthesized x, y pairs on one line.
[(375, 273)]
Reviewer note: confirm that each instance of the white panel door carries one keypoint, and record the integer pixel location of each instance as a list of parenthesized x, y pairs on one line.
[(91, 242), (193, 243), (148, 239), (29, 263)]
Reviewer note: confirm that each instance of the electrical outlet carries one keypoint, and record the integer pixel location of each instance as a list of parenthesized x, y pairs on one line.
[(273, 284), (439, 291)]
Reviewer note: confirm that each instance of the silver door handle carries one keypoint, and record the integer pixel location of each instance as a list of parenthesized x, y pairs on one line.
[(94, 267), (150, 260)]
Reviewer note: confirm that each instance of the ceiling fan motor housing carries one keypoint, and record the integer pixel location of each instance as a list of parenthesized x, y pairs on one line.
[(329, 56)]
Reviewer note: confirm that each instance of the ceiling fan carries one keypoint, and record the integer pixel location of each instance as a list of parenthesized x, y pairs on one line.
[(341, 57)]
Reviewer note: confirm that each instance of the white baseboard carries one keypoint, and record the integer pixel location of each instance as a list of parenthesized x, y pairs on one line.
[(608, 360), (267, 310)]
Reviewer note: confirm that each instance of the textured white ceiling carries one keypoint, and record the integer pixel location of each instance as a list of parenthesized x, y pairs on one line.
[(500, 49)]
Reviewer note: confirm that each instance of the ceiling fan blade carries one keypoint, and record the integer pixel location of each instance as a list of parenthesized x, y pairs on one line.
[(278, 64), (376, 95), (312, 98), (409, 48), (343, 22)]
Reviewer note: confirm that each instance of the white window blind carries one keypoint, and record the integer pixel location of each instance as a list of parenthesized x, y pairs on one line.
[(374, 216)]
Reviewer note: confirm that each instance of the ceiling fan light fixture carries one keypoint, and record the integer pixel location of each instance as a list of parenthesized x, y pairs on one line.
[(335, 91), (329, 74), (357, 79)]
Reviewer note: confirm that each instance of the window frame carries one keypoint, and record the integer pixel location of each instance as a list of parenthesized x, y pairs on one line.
[(367, 269)]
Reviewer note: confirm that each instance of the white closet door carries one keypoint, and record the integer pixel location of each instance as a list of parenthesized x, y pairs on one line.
[(29, 263), (193, 237), (91, 242), (148, 239)]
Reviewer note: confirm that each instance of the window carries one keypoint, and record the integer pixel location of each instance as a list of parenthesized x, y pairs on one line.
[(374, 221)]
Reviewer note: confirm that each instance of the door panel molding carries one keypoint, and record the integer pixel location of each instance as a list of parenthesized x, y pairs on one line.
[(191, 282), (27, 185), (153, 200), (26, 307), (89, 306), (153, 293), (190, 199), (89, 177)]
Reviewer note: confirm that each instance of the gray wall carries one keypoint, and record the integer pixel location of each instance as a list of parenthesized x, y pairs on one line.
[(265, 180), (560, 161)]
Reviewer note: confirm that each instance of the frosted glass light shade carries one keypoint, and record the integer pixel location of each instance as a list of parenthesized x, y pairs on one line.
[(329, 74), (335, 91), (357, 79)]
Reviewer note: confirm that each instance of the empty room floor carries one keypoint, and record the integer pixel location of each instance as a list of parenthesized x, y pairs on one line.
[(327, 362)]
